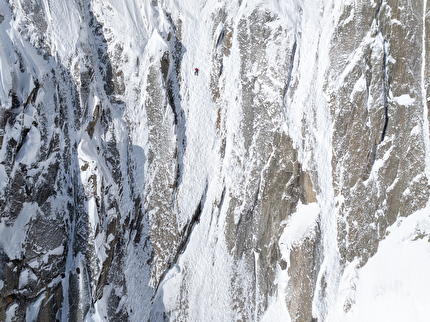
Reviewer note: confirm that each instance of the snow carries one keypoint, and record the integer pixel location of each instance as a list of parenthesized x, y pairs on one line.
[(393, 285), (14, 235), (206, 251), (28, 152), (404, 99), (10, 312), (56, 251), (198, 287), (3, 179), (34, 307), (92, 162), (301, 223), (65, 14), (200, 110), (277, 310), (206, 296), (6, 57)]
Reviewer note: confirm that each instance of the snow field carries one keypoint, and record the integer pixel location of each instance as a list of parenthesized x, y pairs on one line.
[(393, 285)]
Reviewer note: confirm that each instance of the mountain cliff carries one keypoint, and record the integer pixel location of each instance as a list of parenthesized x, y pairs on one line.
[(287, 181)]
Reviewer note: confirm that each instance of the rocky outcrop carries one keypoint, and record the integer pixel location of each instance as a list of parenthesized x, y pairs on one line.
[(376, 116)]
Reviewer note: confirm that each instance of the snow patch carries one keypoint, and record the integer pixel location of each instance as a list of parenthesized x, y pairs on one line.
[(299, 226), (404, 99), (55, 252), (12, 236), (10, 312), (3, 179)]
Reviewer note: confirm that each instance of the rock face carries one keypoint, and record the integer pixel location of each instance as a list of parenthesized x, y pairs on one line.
[(261, 189)]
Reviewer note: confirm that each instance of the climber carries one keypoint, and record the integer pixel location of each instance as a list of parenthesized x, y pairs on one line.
[(196, 71)]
